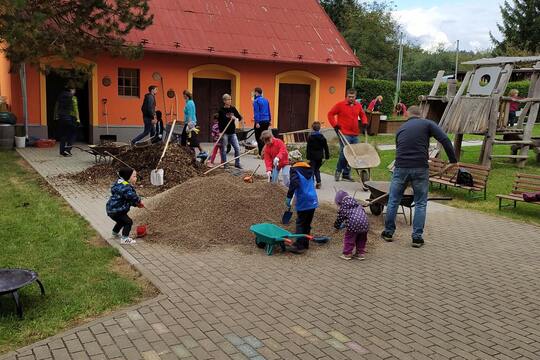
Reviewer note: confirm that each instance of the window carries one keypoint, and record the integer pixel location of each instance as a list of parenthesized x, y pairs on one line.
[(128, 82)]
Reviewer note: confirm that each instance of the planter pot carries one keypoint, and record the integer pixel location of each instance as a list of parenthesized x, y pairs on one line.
[(20, 131), (20, 141)]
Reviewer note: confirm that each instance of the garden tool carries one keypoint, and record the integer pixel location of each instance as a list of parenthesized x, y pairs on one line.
[(156, 175), (227, 162), (287, 215), (275, 173), (249, 178)]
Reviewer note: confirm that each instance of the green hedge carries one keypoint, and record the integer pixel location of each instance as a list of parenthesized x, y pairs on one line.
[(368, 89)]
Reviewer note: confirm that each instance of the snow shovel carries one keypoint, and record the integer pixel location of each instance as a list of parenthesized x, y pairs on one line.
[(157, 175), (274, 175)]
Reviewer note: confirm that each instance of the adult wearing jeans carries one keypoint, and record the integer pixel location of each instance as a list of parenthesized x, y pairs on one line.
[(67, 114), (227, 116), (261, 116), (148, 109), (344, 117), (411, 166)]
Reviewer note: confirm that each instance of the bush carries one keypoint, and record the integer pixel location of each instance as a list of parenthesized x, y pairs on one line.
[(368, 89)]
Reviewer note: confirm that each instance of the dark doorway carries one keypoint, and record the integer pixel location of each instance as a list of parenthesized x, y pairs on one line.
[(293, 113), (207, 94), (55, 85)]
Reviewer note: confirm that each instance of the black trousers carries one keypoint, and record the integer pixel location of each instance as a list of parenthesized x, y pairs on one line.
[(303, 226), (123, 221), (316, 166), (258, 131), (68, 133)]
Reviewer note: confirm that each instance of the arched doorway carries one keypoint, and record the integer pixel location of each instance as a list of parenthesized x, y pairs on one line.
[(297, 100), (52, 84), (208, 83)]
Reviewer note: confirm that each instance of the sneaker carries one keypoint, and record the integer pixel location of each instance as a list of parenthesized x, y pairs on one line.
[(238, 166), (65, 154), (337, 175), (347, 177), (345, 257), (416, 243), (359, 257), (386, 236), (127, 241), (318, 186), (115, 235)]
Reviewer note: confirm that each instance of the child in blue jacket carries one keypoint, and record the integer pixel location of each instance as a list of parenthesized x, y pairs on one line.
[(123, 197), (302, 187)]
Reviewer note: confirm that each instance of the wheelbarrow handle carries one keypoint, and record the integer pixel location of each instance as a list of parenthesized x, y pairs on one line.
[(296, 236), (442, 198), (376, 200)]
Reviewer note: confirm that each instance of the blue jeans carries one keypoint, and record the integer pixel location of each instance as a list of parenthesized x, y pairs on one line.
[(342, 164), (149, 129), (233, 140), (419, 179)]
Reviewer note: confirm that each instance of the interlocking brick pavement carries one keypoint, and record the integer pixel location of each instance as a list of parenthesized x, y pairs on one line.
[(471, 293)]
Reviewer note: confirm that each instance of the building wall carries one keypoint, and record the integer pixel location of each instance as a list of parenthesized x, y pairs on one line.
[(125, 112)]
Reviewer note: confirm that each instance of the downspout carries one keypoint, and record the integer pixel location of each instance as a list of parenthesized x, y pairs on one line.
[(22, 75)]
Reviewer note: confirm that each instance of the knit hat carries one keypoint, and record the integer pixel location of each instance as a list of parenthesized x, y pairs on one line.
[(340, 195), (125, 173)]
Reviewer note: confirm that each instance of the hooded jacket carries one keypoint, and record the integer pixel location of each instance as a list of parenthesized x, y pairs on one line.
[(303, 187), (317, 147), (123, 197), (278, 149), (353, 215)]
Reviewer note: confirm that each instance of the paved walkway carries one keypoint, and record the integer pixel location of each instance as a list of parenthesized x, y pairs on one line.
[(471, 293)]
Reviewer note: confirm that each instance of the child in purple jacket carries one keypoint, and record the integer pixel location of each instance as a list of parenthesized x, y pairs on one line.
[(352, 216)]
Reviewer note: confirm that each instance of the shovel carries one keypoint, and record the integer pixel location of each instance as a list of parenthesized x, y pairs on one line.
[(249, 178), (156, 175), (287, 215)]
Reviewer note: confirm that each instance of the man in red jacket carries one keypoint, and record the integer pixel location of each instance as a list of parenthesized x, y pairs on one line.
[(275, 155), (344, 117)]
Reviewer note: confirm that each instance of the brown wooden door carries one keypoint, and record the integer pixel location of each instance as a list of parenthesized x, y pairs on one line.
[(293, 112), (207, 94)]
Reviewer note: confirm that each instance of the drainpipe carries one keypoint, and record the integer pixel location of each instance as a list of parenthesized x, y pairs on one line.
[(22, 75)]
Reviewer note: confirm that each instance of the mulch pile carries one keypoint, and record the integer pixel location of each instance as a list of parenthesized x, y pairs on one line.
[(178, 163), (214, 211)]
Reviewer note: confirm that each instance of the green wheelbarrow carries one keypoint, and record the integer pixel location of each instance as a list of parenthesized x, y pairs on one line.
[(269, 235)]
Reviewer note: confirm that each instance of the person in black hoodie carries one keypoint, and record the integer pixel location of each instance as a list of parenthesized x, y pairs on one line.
[(317, 150), (158, 129), (148, 110)]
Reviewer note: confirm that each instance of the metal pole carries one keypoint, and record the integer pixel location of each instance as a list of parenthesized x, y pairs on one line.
[(400, 65), (353, 71), (457, 59), (22, 75)]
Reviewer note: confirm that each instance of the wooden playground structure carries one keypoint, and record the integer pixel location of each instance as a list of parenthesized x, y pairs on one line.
[(480, 107)]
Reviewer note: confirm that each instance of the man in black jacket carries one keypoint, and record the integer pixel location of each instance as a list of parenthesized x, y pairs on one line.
[(412, 146), (148, 109), (317, 150)]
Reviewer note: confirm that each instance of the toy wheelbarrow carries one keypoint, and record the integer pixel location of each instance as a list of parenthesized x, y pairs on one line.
[(269, 235)]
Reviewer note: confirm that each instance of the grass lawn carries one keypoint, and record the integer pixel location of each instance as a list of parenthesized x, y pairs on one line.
[(82, 275), (500, 182)]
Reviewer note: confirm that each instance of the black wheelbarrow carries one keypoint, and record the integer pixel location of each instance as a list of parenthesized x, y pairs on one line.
[(378, 198)]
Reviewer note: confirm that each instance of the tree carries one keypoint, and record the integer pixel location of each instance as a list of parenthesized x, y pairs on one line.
[(520, 28), (32, 29), (341, 12)]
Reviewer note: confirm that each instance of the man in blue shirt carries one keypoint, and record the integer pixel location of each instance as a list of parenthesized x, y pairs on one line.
[(261, 116), (411, 166)]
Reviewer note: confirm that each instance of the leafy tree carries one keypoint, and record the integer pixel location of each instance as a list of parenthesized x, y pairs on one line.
[(341, 12), (520, 28), (32, 29)]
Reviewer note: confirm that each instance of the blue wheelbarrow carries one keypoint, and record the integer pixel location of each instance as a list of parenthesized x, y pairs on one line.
[(269, 235)]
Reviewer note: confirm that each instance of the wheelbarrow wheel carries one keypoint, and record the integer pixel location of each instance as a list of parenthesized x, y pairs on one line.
[(376, 209), (364, 175)]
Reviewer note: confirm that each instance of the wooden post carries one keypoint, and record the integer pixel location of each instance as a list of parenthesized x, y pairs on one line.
[(458, 140), (531, 119)]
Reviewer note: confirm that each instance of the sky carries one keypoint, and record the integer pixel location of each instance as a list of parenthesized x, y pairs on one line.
[(429, 23)]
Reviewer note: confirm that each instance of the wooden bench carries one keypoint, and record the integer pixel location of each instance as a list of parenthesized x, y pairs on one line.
[(448, 177), (523, 183)]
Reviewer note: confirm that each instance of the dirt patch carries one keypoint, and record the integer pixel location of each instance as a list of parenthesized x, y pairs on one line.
[(120, 266), (209, 212), (179, 165)]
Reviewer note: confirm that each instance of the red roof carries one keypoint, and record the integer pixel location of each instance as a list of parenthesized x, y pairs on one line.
[(276, 30)]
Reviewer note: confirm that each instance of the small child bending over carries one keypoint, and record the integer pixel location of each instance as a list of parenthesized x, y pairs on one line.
[(123, 197), (215, 136), (352, 215)]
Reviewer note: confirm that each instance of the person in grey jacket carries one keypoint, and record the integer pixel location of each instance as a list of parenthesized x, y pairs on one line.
[(148, 109)]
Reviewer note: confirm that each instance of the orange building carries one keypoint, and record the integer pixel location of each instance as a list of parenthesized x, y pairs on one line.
[(289, 48)]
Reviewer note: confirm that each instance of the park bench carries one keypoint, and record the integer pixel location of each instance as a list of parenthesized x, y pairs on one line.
[(523, 183), (448, 177)]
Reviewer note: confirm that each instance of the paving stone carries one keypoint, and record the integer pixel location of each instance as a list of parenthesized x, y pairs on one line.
[(181, 351)]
